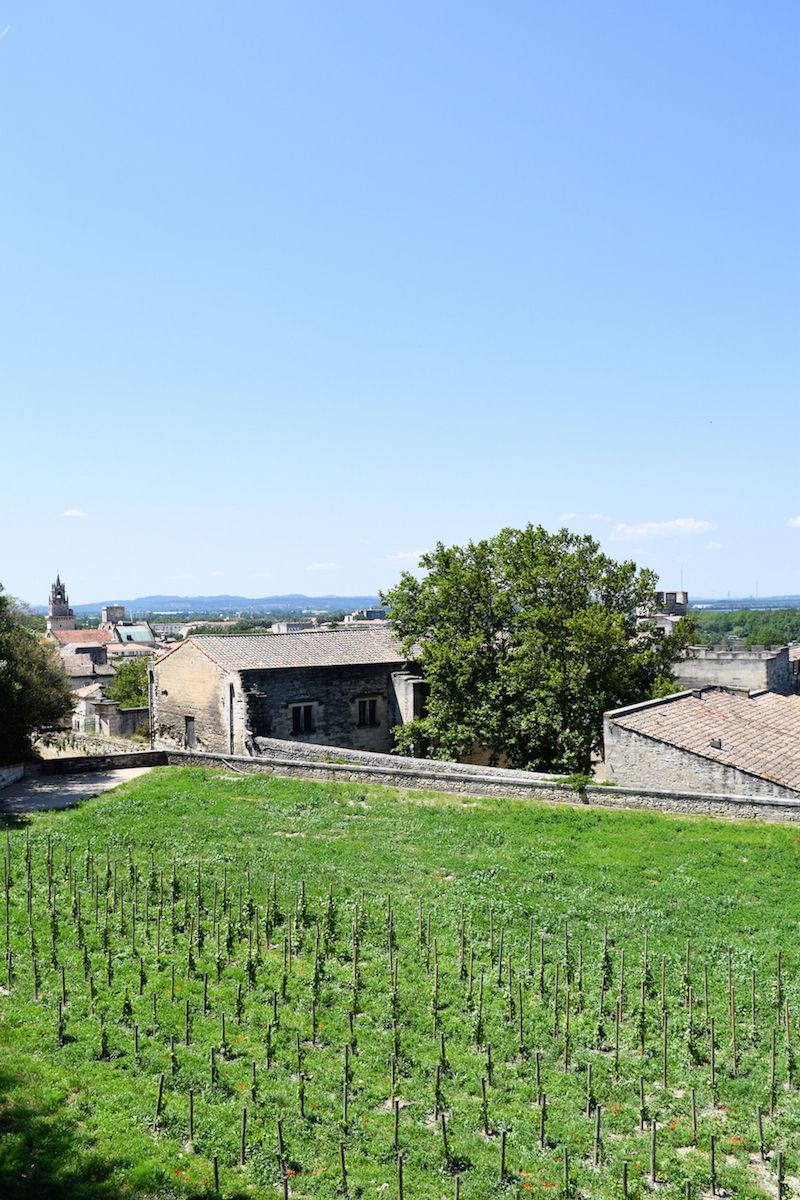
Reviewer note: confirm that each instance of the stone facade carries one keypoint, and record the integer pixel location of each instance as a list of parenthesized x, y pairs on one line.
[(752, 670), (195, 705), (351, 706)]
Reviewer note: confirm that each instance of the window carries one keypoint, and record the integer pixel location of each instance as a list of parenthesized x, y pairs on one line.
[(302, 718), (368, 711), (189, 740)]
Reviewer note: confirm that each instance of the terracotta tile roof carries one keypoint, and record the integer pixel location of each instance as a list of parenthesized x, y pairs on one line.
[(88, 636), (758, 734), (349, 646)]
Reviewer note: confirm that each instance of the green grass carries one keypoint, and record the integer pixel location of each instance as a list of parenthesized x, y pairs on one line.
[(77, 1119)]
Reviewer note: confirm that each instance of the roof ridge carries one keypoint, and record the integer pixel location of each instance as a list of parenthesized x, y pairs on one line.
[(372, 626)]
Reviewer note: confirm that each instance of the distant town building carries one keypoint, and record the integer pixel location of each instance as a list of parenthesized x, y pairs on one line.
[(340, 687), (293, 626), (86, 664), (96, 715), (59, 614), (111, 615), (366, 614), (81, 637), (674, 604), (672, 608)]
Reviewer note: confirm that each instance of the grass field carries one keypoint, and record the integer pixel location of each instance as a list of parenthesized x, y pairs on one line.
[(339, 989)]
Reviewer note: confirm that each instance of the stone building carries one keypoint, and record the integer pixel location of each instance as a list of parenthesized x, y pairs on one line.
[(673, 604), (340, 687), (753, 670), (85, 665), (95, 715), (709, 740), (59, 614)]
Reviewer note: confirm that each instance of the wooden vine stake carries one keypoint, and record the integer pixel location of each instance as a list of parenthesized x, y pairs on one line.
[(159, 1100)]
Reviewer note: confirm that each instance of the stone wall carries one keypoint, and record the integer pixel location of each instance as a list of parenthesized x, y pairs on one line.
[(635, 760), (444, 777), (431, 776), (9, 775), (127, 721)]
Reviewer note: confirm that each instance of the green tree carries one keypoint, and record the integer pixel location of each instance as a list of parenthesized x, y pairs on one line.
[(34, 693), (525, 639), (129, 685)]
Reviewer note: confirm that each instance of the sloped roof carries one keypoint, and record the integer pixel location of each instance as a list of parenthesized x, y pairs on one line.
[(349, 646), (80, 664), (87, 636), (758, 734), (92, 691), (130, 632)]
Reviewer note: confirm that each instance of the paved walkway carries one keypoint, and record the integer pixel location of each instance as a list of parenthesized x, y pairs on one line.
[(35, 793)]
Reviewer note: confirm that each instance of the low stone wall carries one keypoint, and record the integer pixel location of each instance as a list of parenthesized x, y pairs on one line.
[(431, 776), (442, 777), (9, 775)]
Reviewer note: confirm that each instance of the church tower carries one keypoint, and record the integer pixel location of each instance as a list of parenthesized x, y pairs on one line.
[(59, 613)]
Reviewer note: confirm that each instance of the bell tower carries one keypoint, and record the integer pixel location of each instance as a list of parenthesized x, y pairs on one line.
[(59, 613)]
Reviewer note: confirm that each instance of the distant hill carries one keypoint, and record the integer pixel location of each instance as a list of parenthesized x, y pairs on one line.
[(229, 604)]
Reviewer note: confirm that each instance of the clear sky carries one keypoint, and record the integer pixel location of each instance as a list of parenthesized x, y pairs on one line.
[(289, 292)]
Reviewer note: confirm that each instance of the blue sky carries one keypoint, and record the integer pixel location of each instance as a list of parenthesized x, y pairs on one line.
[(291, 292)]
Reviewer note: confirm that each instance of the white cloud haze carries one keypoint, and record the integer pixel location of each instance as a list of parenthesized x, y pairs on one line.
[(677, 527)]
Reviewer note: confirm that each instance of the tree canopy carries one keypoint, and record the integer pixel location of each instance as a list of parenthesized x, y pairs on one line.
[(129, 685), (34, 693), (525, 639), (753, 627)]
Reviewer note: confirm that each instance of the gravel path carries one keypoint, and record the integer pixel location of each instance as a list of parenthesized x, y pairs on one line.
[(35, 793)]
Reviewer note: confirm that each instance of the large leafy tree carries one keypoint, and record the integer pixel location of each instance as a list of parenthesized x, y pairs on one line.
[(525, 640), (34, 693), (129, 685)]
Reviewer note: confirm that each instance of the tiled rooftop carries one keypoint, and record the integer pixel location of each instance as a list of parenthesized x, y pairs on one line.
[(88, 636), (80, 664), (350, 646), (759, 734)]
